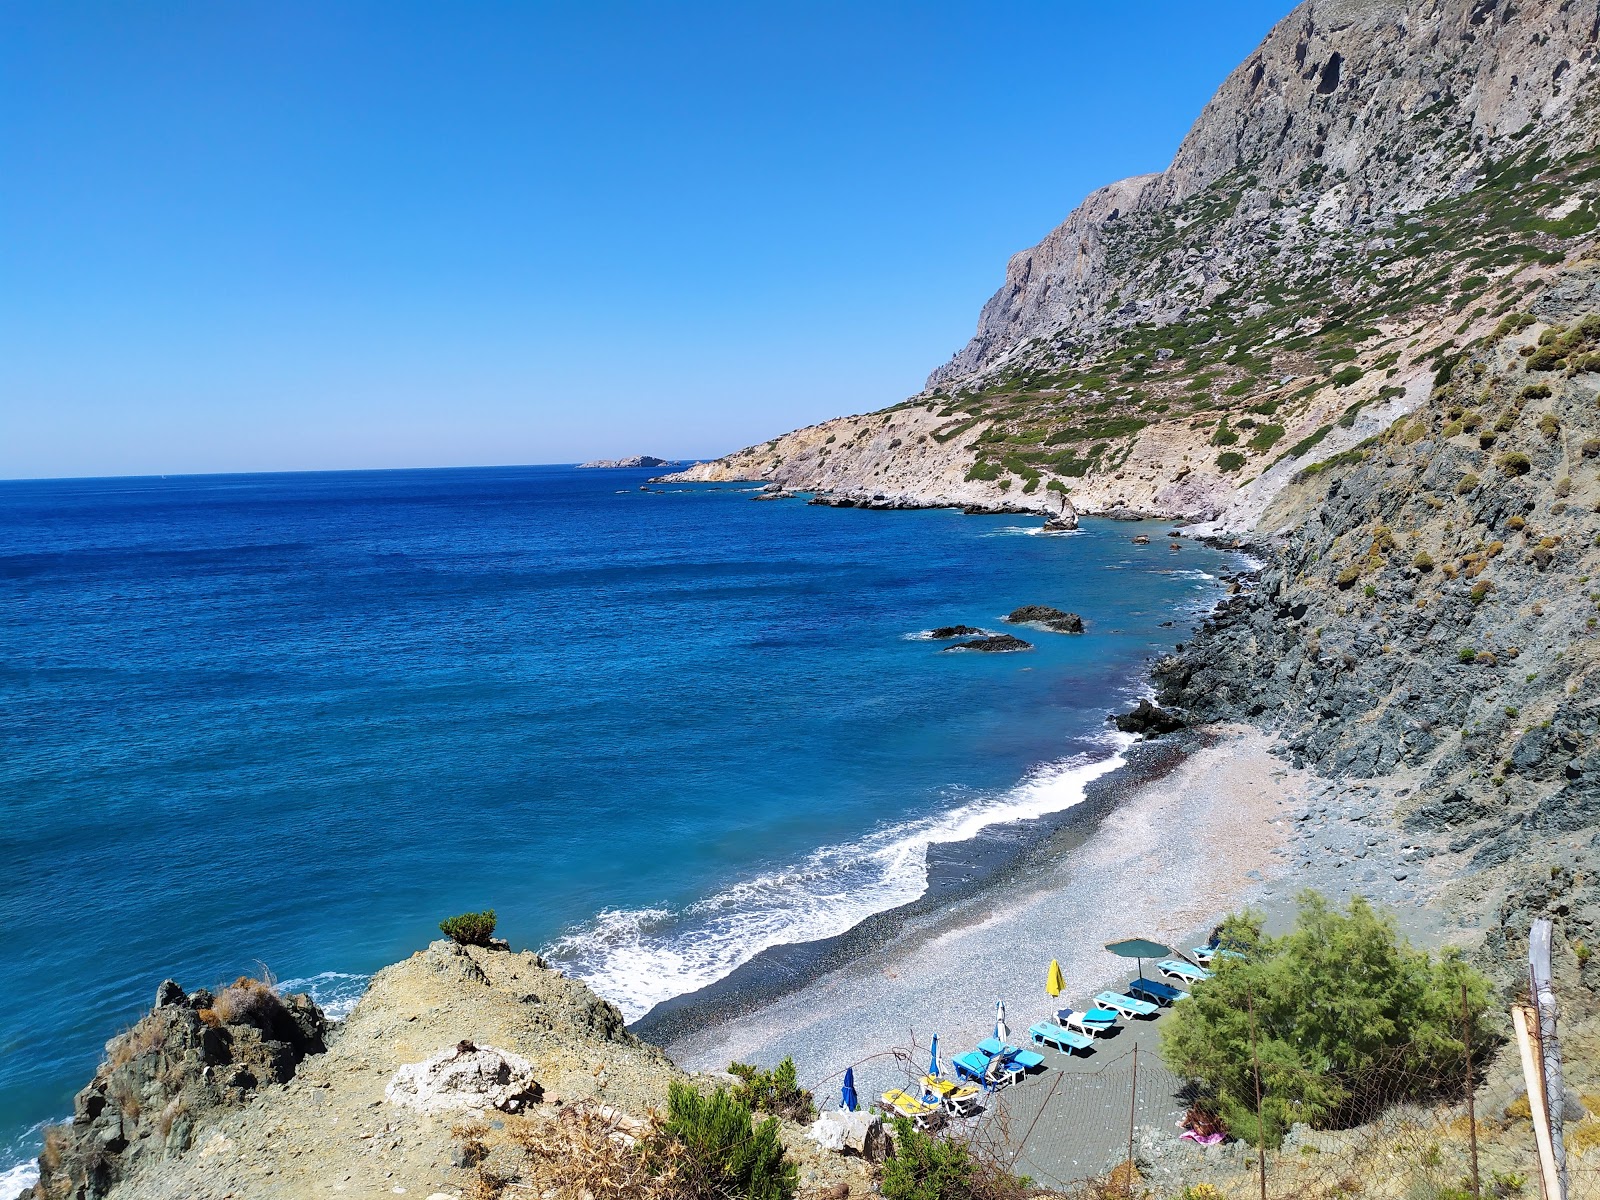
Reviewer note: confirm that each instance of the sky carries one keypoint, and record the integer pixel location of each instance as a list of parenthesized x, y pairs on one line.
[(246, 236)]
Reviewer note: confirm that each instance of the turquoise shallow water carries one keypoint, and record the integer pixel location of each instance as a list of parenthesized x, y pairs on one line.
[(293, 720)]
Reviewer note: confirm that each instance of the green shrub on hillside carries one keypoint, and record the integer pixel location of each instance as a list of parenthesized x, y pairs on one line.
[(925, 1167), (723, 1154), (1342, 1015), (1514, 463), (777, 1091), (1230, 460), (470, 929)]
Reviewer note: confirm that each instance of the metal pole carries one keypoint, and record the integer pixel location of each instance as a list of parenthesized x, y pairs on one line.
[(1472, 1104), (1544, 999), (1133, 1105), (1261, 1124)]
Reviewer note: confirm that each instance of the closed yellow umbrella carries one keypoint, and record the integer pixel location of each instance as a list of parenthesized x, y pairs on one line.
[(1053, 982)]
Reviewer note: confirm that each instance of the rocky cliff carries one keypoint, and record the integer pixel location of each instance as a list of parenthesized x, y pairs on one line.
[(1368, 192)]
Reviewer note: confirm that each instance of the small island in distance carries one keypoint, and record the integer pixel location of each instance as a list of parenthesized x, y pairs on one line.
[(637, 460)]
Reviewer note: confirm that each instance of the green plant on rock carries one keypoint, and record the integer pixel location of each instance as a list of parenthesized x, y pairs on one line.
[(1466, 484), (1230, 461), (470, 929), (723, 1153), (1514, 462), (777, 1091), (1348, 576), (1342, 1015), (1224, 436), (1423, 561)]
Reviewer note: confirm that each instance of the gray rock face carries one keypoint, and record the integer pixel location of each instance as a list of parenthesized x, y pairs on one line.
[(465, 1077), (1335, 90)]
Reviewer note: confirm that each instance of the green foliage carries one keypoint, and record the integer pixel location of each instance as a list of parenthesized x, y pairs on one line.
[(1347, 376), (1344, 1017), (1223, 435), (1348, 576), (925, 1167), (1423, 561), (777, 1091), (1266, 437), (469, 929), (1514, 463), (1466, 654), (724, 1156), (1230, 460), (988, 472)]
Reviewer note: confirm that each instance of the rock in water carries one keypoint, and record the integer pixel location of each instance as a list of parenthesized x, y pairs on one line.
[(1051, 618), (1148, 719), (466, 1076), (636, 460), (997, 644), (944, 632)]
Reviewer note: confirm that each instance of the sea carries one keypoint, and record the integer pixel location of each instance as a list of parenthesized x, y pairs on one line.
[(288, 722)]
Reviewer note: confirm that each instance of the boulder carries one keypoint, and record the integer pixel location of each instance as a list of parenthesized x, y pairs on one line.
[(466, 1076), (1051, 618), (858, 1133), (999, 643), (1147, 719)]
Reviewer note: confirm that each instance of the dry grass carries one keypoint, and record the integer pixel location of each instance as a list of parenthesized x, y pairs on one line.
[(248, 1001), (583, 1154), (144, 1038)]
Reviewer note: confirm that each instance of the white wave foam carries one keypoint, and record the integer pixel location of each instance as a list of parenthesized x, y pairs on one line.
[(335, 992), (638, 958), (1028, 531), (14, 1181)]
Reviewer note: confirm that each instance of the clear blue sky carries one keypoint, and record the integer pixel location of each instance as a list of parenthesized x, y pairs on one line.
[(281, 235)]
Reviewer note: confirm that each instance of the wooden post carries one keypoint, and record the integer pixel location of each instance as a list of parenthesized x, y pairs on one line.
[(1472, 1088), (1551, 1086), (1261, 1124), (1133, 1105), (1524, 1020)]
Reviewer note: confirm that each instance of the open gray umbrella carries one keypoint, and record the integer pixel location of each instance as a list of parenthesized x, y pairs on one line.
[(1139, 948)]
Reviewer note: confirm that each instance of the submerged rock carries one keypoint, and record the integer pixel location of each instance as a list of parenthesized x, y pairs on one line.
[(999, 643), (1051, 618)]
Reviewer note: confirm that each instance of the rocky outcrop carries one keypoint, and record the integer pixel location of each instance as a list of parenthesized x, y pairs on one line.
[(1053, 619), (946, 632), (255, 1106), (1148, 720), (637, 460), (191, 1057)]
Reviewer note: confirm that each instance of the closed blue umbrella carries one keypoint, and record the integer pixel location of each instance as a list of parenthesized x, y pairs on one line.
[(933, 1058), (847, 1093)]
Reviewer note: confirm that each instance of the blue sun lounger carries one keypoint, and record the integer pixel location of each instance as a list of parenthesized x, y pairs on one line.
[(1175, 968), (1044, 1033), (1150, 989), (1128, 1006), (1096, 1022), (1026, 1059), (974, 1066)]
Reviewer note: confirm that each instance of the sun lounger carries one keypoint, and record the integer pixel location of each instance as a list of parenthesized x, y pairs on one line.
[(907, 1105), (1206, 955), (1047, 1033), (1153, 989), (1127, 1006), (959, 1099), (1174, 968), (1096, 1022), (974, 1066), (1026, 1059)]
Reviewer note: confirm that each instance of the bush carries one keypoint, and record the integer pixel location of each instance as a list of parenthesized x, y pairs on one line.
[(1230, 460), (777, 1091), (1514, 463), (1535, 391), (1423, 561), (1346, 1018), (1348, 576), (1466, 484), (1347, 376), (933, 1168), (1549, 425), (1223, 435), (723, 1155), (1466, 655), (469, 929)]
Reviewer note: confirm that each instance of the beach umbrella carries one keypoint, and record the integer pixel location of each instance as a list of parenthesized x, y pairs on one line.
[(933, 1058), (1001, 1030), (1053, 983), (847, 1093), (1139, 948)]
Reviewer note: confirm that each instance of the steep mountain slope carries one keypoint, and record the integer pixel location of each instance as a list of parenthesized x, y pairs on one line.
[(1368, 192)]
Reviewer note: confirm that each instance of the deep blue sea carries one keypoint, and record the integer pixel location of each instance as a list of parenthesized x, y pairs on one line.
[(293, 720)]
